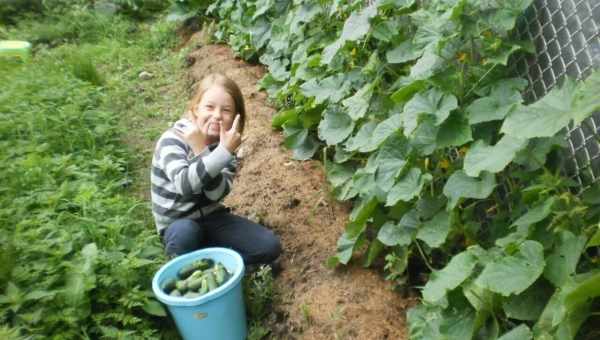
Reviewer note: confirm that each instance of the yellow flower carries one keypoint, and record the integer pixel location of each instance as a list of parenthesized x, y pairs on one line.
[(444, 164)]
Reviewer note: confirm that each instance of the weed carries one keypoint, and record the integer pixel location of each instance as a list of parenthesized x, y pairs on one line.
[(259, 293), (257, 331), (306, 315), (87, 249)]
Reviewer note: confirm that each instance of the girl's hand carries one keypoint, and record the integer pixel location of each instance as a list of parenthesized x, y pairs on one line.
[(232, 138), (195, 136)]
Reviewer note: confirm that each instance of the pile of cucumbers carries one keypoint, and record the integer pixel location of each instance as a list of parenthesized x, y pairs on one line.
[(196, 279)]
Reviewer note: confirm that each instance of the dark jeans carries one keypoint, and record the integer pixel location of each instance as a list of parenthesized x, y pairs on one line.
[(253, 241)]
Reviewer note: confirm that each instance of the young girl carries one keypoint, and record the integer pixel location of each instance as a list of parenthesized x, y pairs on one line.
[(192, 171)]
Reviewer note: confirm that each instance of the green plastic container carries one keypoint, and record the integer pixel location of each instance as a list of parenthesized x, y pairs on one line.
[(15, 49)]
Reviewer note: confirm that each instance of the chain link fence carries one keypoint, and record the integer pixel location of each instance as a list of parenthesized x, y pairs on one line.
[(566, 37)]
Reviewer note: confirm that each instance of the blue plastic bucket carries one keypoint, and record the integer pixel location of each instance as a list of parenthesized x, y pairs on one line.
[(219, 314)]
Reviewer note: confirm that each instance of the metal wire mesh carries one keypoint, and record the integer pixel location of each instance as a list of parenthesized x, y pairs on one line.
[(566, 37)]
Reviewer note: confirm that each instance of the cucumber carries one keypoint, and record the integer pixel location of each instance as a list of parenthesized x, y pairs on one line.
[(191, 295), (196, 275), (197, 278), (220, 274), (210, 280), (169, 285), (181, 286), (203, 264), (203, 287), (186, 271), (194, 284)]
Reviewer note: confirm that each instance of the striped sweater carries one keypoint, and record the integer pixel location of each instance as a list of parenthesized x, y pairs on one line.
[(184, 185)]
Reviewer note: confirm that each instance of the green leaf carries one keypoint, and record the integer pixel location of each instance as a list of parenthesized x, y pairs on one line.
[(428, 206), (569, 306), (408, 187), (331, 89), (563, 259), (482, 157), (458, 321), (435, 231), (427, 65), (261, 8), (523, 268), (455, 131), (405, 51), (400, 233), (335, 126), (586, 96), (459, 185), (339, 174), (554, 111), (331, 50), (536, 214), (401, 6), (433, 102), (533, 156), (382, 131), (375, 248), (81, 279), (155, 308), (424, 137), (528, 306), (357, 25), (503, 15), (363, 211), (39, 294), (424, 322), (341, 155), (391, 159), (409, 87), (373, 66), (595, 239), (502, 57), (363, 182), (521, 332), (284, 116), (300, 141), (362, 138), (345, 247), (591, 195), (305, 13), (385, 30), (504, 97), (358, 104), (392, 234), (585, 289), (260, 32), (480, 298), (451, 276)]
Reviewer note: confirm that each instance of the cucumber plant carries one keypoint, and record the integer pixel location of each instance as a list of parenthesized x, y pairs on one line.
[(419, 119)]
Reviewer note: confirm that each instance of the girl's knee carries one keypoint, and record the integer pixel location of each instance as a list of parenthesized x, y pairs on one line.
[(182, 236), (272, 247)]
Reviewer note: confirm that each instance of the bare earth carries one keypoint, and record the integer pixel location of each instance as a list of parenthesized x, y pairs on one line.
[(291, 197)]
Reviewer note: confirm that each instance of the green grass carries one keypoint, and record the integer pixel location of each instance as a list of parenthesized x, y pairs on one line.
[(85, 243), (77, 127)]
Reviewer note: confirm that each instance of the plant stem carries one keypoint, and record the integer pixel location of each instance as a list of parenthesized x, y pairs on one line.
[(480, 79), (423, 256)]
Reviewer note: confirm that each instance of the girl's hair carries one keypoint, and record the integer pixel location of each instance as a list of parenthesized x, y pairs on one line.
[(230, 87)]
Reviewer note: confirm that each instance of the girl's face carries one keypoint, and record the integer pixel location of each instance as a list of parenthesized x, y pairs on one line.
[(216, 108)]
